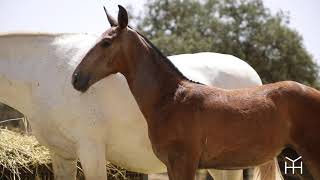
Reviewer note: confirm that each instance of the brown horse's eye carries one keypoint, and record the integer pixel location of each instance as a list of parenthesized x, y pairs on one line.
[(105, 43)]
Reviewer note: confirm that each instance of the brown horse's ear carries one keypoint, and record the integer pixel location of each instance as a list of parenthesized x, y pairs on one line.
[(122, 17), (112, 21)]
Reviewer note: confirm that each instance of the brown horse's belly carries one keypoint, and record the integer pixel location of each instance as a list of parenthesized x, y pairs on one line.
[(240, 159), (245, 145)]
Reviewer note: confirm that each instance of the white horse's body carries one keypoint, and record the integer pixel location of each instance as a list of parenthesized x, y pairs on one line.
[(35, 78)]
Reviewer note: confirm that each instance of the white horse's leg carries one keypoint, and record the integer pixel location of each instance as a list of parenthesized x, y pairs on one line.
[(64, 168), (226, 174), (93, 161)]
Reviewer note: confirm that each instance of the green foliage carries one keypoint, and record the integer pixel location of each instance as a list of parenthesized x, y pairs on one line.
[(243, 28)]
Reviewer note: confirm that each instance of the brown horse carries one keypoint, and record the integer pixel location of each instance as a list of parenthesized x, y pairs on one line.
[(250, 126)]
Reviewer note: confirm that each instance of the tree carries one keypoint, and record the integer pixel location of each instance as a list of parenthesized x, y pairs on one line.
[(243, 28)]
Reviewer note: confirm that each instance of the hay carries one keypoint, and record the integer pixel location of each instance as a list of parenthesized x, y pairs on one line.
[(20, 154), (22, 157)]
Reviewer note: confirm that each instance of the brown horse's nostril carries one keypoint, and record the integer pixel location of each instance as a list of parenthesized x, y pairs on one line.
[(80, 82)]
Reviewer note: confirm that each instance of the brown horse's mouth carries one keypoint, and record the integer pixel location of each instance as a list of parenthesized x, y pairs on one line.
[(80, 82)]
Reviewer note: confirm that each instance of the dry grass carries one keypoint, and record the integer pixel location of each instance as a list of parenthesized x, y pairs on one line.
[(20, 153), (22, 157)]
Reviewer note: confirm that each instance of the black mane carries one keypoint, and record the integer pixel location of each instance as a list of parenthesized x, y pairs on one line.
[(166, 60)]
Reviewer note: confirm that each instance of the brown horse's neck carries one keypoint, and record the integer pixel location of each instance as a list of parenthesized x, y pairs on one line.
[(150, 77)]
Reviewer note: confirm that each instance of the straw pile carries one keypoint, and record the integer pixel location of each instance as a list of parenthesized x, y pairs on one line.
[(21, 157), (20, 154)]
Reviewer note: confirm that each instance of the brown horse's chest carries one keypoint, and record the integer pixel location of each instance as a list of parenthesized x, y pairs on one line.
[(175, 135)]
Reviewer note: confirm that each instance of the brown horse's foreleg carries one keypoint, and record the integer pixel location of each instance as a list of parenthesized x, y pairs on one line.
[(182, 166)]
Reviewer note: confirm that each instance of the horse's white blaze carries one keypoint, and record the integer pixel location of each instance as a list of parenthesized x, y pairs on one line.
[(35, 78)]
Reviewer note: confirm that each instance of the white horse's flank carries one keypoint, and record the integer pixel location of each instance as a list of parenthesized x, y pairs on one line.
[(35, 78)]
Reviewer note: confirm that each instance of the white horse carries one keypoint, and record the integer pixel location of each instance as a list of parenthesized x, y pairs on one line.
[(35, 78)]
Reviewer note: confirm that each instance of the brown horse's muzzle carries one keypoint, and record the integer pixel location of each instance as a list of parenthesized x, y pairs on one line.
[(80, 81)]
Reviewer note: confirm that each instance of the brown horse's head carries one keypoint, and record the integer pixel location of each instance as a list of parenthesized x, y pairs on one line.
[(104, 58)]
